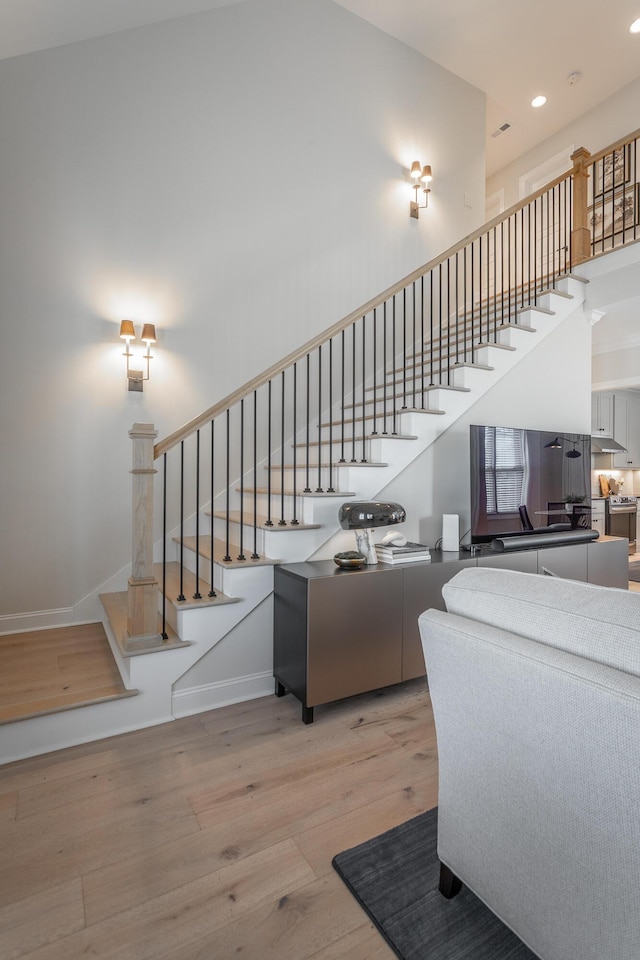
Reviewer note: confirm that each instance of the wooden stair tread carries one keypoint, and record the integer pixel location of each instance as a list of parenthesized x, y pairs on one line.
[(389, 397), (261, 521), (380, 417), (220, 551), (115, 605), (57, 669), (188, 588)]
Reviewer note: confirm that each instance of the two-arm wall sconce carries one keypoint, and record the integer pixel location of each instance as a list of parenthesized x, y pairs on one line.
[(421, 176), (135, 378)]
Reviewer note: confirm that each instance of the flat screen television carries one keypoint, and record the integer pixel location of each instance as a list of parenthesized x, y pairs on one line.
[(528, 480)]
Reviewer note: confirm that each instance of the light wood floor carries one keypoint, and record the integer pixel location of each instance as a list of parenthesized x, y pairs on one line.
[(211, 838), (49, 670)]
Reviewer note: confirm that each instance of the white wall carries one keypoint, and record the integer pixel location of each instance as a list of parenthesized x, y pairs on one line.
[(235, 177), (609, 121)]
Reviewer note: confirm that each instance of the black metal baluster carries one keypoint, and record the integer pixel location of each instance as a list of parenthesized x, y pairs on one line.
[(255, 555), (353, 393), (375, 360), (456, 299), (413, 342), (165, 635), (181, 595), (319, 487), (212, 592), (422, 405), (342, 457), (294, 517), (364, 380), (269, 522), (384, 367), (473, 297), (431, 383), (241, 555), (479, 335), (227, 555), (393, 366), (307, 488), (404, 349), (282, 522), (495, 285), (440, 328), (464, 292), (330, 488), (197, 595)]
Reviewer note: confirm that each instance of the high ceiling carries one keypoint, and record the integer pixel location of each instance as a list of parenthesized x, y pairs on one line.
[(509, 49)]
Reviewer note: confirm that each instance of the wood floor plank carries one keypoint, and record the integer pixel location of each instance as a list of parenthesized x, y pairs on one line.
[(320, 844), (197, 911), (211, 837), (41, 919), (279, 930), (363, 943)]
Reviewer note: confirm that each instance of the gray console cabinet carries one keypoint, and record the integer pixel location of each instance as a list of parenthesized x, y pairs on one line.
[(338, 633)]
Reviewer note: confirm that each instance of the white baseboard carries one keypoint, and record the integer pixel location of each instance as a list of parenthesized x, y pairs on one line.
[(210, 696), (36, 620)]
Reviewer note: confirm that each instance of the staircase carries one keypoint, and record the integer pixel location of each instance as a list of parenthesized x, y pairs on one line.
[(258, 479)]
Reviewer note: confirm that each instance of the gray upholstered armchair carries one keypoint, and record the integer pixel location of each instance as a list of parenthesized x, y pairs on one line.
[(535, 684)]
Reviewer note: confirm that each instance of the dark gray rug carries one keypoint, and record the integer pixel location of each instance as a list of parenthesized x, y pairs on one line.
[(634, 571), (395, 878)]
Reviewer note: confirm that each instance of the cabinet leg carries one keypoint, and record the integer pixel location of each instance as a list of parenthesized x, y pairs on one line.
[(449, 885), (280, 689), (307, 714)]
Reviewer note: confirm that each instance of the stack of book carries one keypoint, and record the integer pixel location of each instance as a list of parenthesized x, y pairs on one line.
[(408, 553)]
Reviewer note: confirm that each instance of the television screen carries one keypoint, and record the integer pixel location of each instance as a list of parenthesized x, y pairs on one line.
[(528, 480)]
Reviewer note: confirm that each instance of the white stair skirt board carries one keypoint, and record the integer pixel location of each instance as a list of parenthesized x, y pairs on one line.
[(203, 627)]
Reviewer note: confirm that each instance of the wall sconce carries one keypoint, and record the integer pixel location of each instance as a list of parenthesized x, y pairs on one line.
[(136, 378), (421, 176)]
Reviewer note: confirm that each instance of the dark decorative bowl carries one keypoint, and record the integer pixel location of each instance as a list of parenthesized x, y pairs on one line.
[(350, 560)]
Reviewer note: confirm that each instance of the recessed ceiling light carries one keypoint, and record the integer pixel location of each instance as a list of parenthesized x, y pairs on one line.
[(538, 101), (635, 26)]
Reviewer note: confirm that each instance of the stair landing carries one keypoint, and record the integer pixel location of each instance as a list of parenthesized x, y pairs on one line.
[(47, 671)]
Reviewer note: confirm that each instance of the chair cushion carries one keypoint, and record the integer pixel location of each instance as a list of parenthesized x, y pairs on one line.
[(600, 623)]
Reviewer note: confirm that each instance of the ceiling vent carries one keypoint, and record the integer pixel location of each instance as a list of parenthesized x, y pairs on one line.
[(502, 129)]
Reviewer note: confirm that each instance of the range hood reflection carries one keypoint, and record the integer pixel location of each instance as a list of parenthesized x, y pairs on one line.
[(606, 445)]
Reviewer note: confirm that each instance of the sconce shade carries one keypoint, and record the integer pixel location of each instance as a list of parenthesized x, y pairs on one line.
[(415, 169), (127, 331), (426, 173), (149, 333), (370, 513)]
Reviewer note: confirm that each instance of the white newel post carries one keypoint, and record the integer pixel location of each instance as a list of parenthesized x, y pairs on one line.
[(142, 601)]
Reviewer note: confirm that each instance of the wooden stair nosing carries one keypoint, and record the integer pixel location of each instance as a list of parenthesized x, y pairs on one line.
[(264, 491), (189, 588), (59, 704), (351, 440), (115, 605), (438, 356), (390, 414), (335, 464), (247, 520)]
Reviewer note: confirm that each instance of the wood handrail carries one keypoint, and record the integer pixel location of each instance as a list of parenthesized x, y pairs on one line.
[(296, 355), (614, 146)]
